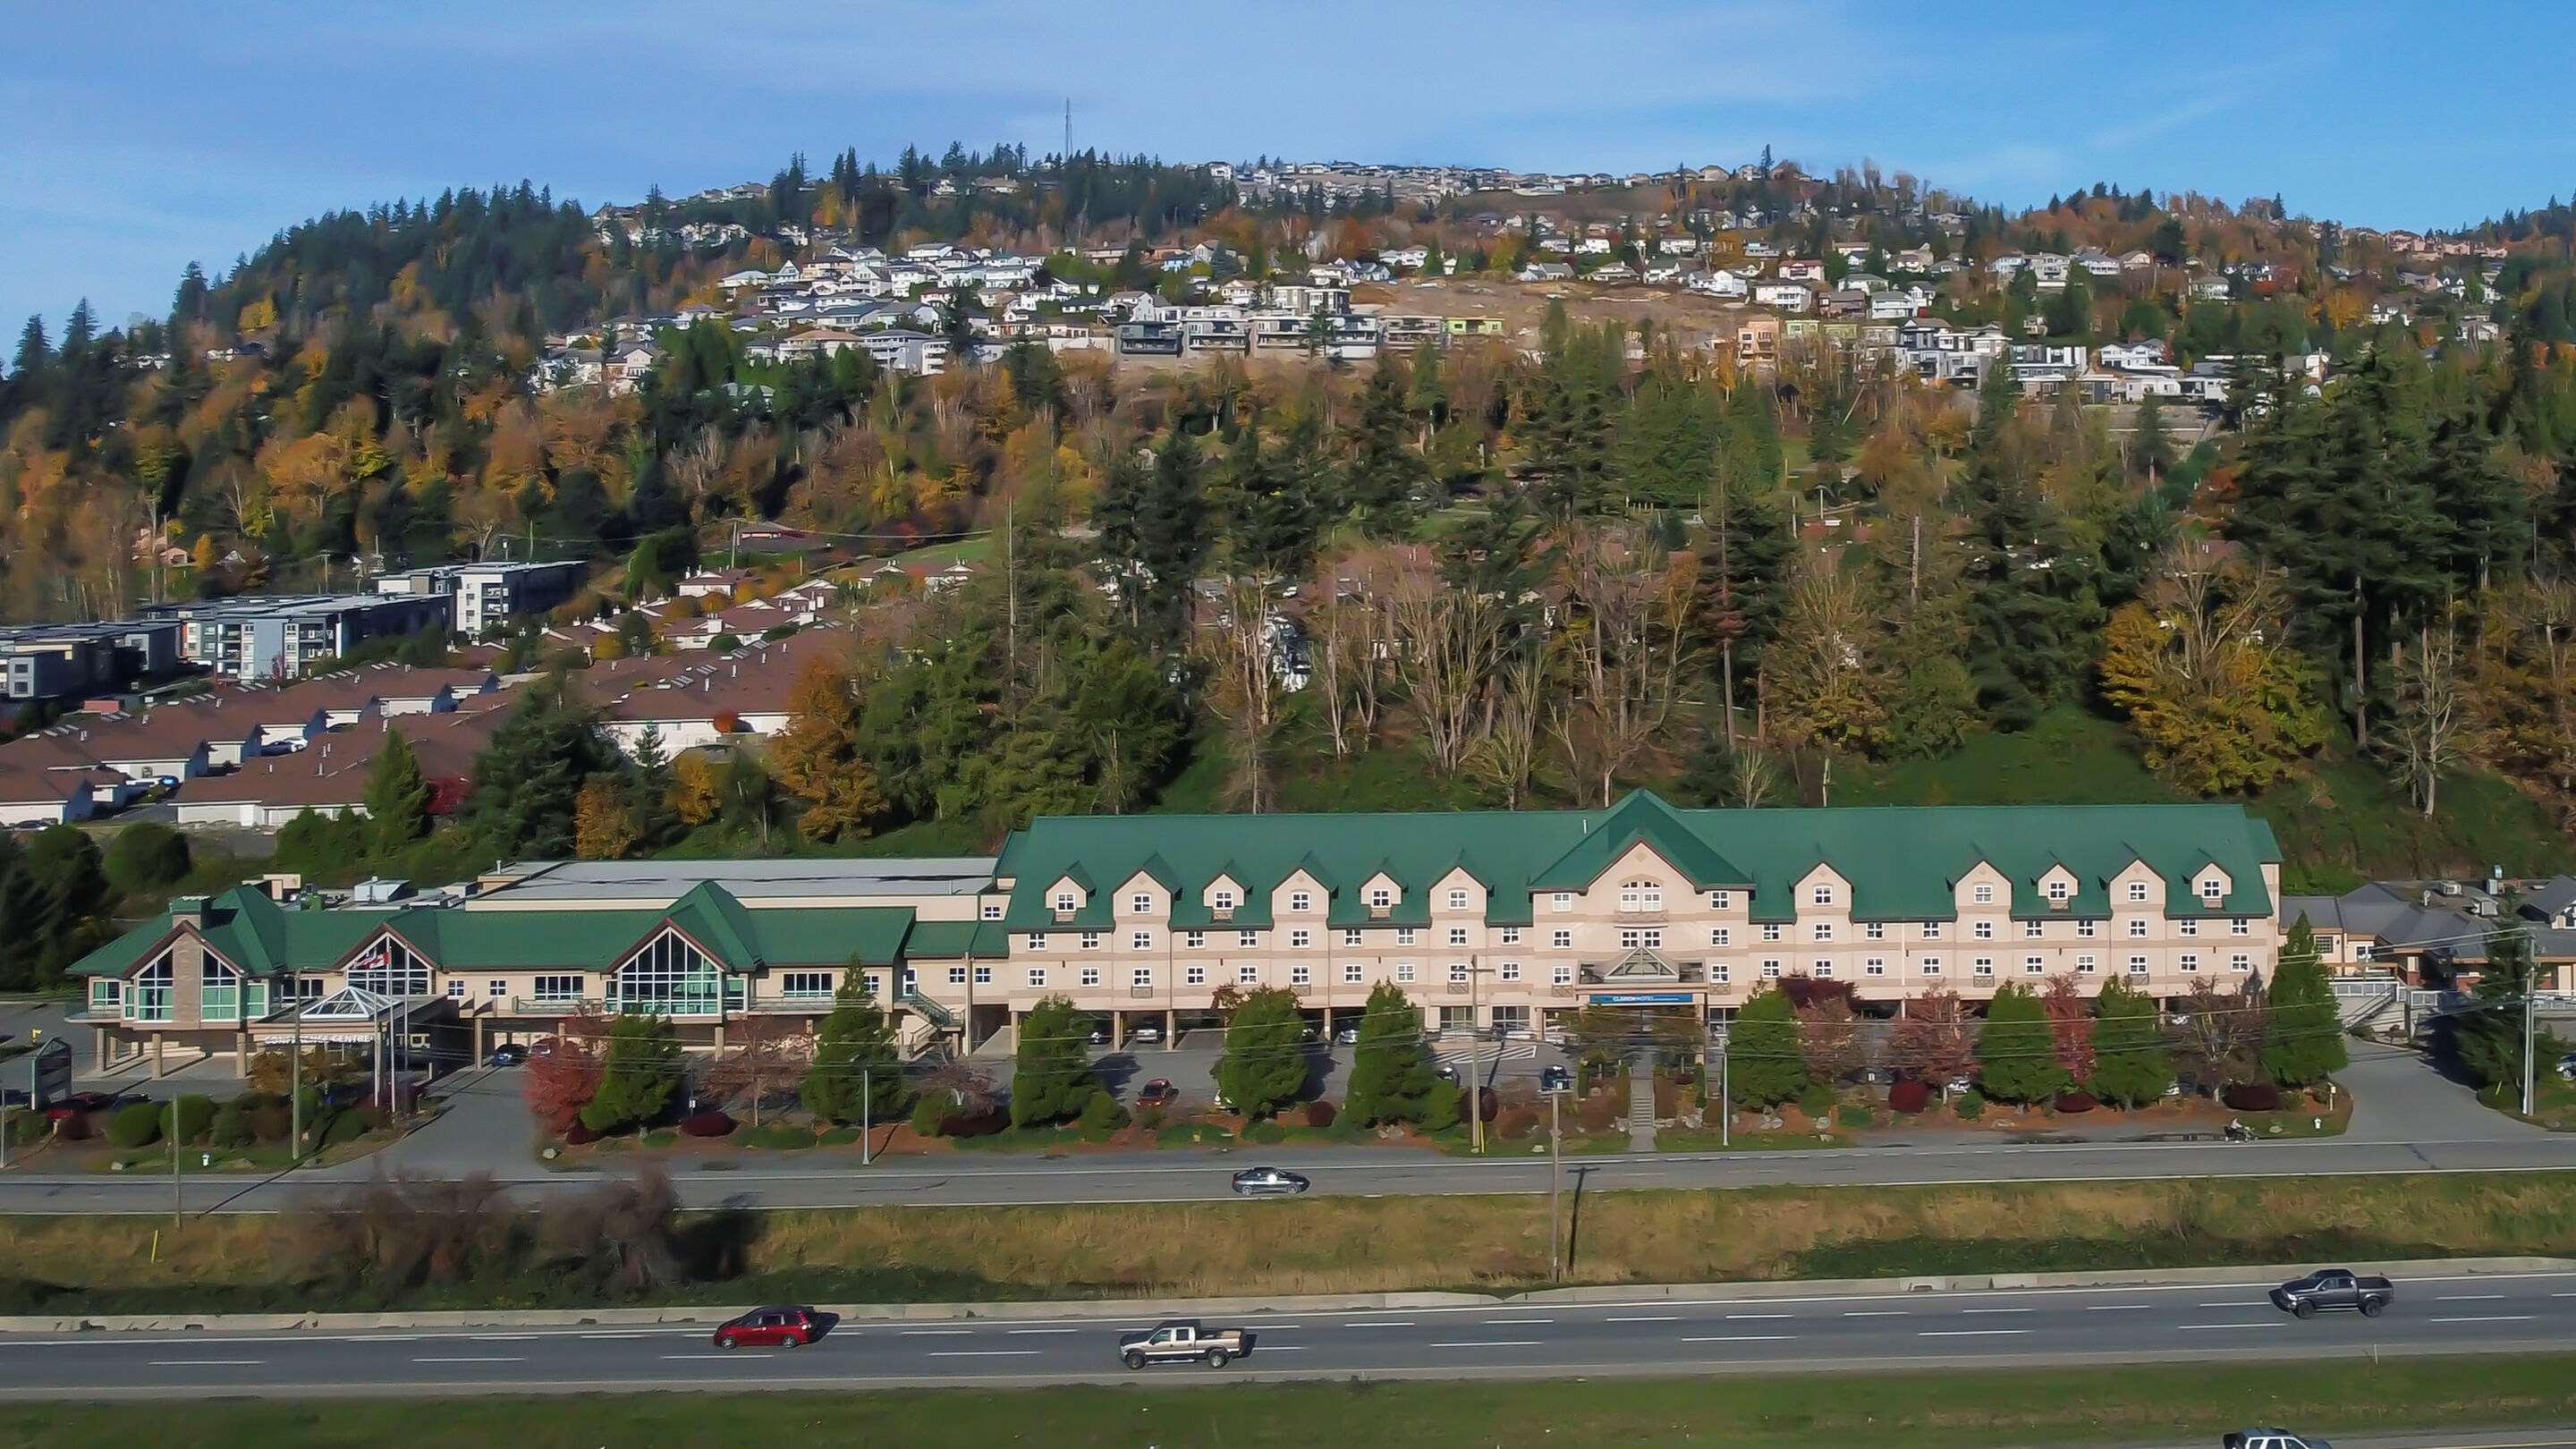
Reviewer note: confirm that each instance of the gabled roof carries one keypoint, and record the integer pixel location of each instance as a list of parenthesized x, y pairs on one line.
[(1641, 819)]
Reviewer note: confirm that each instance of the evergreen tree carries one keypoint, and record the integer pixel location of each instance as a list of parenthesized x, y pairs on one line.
[(527, 779), (2485, 1041), (649, 791), (2302, 1030), (1764, 1066), (2033, 605), (2150, 448), (1051, 1065), (2016, 1050), (2130, 1066), (1385, 479), (397, 796), (1264, 1066), (639, 1071), (856, 1064), (1271, 521), (1390, 1070)]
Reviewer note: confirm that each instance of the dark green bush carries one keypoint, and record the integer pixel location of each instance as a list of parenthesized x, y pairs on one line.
[(196, 1117), (1267, 1133), (136, 1124), (1970, 1106), (1852, 1114), (927, 1114), (1101, 1115), (232, 1126), (1817, 1101)]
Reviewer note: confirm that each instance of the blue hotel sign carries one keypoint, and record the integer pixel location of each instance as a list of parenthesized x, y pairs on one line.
[(1642, 998)]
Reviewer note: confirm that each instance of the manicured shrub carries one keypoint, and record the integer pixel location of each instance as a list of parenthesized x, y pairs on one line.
[(350, 1125), (2252, 1097), (1267, 1133), (1321, 1114), (232, 1126), (1516, 1123), (1600, 1113), (1970, 1106), (2075, 1102), (927, 1114), (1101, 1115), (710, 1123), (196, 1117), (136, 1124), (1852, 1114), (1909, 1096), (1817, 1101), (269, 1123), (74, 1128)]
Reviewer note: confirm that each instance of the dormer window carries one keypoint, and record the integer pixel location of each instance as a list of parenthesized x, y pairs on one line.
[(1380, 898), (1457, 900), (1822, 895), (1221, 901), (1064, 903), (2057, 892), (1141, 903), (1301, 901), (2211, 888), (2137, 891), (1983, 895)]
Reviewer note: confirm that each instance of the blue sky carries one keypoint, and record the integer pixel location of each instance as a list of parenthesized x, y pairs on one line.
[(135, 137)]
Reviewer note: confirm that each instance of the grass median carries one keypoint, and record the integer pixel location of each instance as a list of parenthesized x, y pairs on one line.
[(1319, 1245), (1983, 1409)]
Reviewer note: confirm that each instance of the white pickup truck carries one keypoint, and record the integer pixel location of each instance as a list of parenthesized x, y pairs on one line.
[(1181, 1340)]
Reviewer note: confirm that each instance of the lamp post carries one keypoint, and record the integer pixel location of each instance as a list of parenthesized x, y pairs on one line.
[(1555, 1188)]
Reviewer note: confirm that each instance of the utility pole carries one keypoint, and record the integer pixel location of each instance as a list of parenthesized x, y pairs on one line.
[(1725, 1099), (866, 1092), (1475, 1072), (174, 1168), (1555, 1187), (2530, 1007)]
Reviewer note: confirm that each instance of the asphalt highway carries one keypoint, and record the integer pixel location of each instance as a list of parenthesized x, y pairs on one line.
[(968, 1179), (1646, 1336)]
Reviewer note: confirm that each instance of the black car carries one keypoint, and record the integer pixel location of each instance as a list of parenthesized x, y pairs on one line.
[(509, 1055), (1268, 1182), (1555, 1079)]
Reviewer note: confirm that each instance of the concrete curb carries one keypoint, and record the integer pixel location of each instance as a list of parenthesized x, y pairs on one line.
[(1127, 1310)]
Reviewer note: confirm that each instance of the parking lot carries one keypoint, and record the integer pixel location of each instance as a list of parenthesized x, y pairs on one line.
[(1189, 1063)]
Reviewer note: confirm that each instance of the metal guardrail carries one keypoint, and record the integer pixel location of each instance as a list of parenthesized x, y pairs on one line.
[(929, 1010)]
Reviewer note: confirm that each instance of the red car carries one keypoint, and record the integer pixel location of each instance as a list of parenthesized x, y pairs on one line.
[(1157, 1093), (771, 1328)]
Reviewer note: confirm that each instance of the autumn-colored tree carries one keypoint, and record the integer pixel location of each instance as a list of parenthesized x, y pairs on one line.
[(764, 1057), (1829, 1039), (818, 759), (2203, 668), (203, 555), (602, 827), (694, 794), (559, 1083), (1931, 1042), (2070, 1025)]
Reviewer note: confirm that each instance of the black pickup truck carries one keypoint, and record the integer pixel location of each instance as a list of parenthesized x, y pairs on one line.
[(2329, 1288)]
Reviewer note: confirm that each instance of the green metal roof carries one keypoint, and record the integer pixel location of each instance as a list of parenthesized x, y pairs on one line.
[(1903, 862)]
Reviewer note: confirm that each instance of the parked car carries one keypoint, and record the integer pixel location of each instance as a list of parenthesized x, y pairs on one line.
[(2271, 1439), (79, 1102), (1144, 1034), (2567, 1067), (784, 1327), (1099, 1035), (1446, 1073), (1181, 1341), (1555, 1079), (1157, 1093), (1268, 1182), (2335, 1288), (1346, 1036), (509, 1054)]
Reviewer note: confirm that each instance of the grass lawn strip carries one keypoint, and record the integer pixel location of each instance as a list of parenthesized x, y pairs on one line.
[(1948, 1410)]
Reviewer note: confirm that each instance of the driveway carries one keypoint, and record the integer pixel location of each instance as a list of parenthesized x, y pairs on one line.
[(486, 1128), (2401, 1096)]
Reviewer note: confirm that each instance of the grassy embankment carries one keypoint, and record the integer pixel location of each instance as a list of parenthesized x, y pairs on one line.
[(1343, 1244), (1946, 1410)]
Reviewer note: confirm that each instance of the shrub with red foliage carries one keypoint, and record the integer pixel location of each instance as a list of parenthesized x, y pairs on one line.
[(579, 1136), (710, 1123), (1909, 1096), (2075, 1102), (2252, 1096), (1320, 1113), (1598, 1112), (1516, 1123), (1806, 991), (559, 1084)]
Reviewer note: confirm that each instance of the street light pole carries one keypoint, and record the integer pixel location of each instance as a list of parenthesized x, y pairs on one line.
[(1725, 1100), (867, 1093), (1475, 1077)]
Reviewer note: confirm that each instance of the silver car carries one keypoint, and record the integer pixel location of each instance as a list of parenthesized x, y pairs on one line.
[(1268, 1182)]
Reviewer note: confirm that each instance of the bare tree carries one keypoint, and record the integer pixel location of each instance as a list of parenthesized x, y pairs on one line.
[(1829, 1039), (1507, 754), (1625, 647), (2426, 733), (764, 1057), (2218, 1037), (1244, 687), (1447, 644), (1346, 644)]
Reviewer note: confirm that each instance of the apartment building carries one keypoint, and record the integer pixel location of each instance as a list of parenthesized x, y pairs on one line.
[(487, 594), (255, 639), (1489, 920)]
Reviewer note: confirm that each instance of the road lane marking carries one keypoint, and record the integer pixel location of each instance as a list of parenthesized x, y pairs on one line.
[(2117, 1307), (1502, 1322), (1745, 1338), (1045, 1330), (2489, 1318), (488, 1358), (1485, 1343), (2235, 1303), (203, 1362), (1278, 1348), (2202, 1327), (938, 1332), (1874, 1313), (1381, 1323), (1970, 1332), (684, 1357), (983, 1353), (500, 1337), (2468, 1297), (1282, 1323), (1998, 1310), (1644, 1318), (1732, 1317)]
